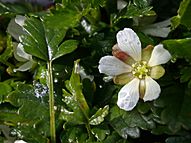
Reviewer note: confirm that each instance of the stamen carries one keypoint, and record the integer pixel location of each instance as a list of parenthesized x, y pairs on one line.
[(140, 69)]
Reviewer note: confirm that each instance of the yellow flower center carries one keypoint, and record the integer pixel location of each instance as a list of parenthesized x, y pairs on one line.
[(141, 69)]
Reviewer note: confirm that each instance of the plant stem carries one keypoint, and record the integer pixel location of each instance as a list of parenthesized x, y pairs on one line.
[(51, 103), (89, 130)]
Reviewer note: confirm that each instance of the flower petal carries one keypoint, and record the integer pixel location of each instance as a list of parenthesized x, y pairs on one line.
[(20, 20), (152, 90), (20, 54), (123, 78), (26, 66), (112, 66), (160, 29), (121, 4), (14, 29), (20, 141), (128, 96), (157, 32), (157, 72), (129, 42), (159, 56)]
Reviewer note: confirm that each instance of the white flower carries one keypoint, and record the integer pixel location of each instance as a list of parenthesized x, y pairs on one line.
[(134, 67), (15, 28), (22, 56), (20, 141), (121, 4), (160, 29)]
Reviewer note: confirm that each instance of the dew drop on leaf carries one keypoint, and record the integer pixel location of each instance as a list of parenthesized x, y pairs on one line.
[(173, 60), (55, 80), (107, 78)]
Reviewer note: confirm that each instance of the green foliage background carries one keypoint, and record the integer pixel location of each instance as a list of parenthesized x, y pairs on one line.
[(70, 33)]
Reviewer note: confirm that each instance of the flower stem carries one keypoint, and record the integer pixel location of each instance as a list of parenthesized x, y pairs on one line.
[(51, 103)]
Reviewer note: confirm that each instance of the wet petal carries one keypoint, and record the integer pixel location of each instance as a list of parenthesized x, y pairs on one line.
[(159, 56), (14, 29), (20, 54), (129, 42), (20, 141), (121, 4), (112, 66), (26, 66), (157, 32), (128, 96), (20, 20), (152, 90), (160, 29)]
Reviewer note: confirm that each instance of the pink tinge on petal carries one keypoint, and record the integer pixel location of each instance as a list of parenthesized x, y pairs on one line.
[(118, 53)]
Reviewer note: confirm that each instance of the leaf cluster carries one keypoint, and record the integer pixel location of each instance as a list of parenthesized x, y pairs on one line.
[(85, 107)]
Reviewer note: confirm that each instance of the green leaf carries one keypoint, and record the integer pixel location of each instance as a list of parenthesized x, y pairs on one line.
[(185, 75), (184, 116), (75, 100), (179, 139), (74, 113), (7, 53), (129, 123), (20, 95), (143, 107), (44, 38), (184, 13), (64, 18), (33, 125), (9, 115), (175, 114), (185, 72), (41, 74), (136, 9), (179, 48), (8, 8), (34, 41), (74, 134), (4, 90), (161, 129), (99, 116), (66, 47), (100, 132), (75, 87), (31, 134), (113, 138)]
